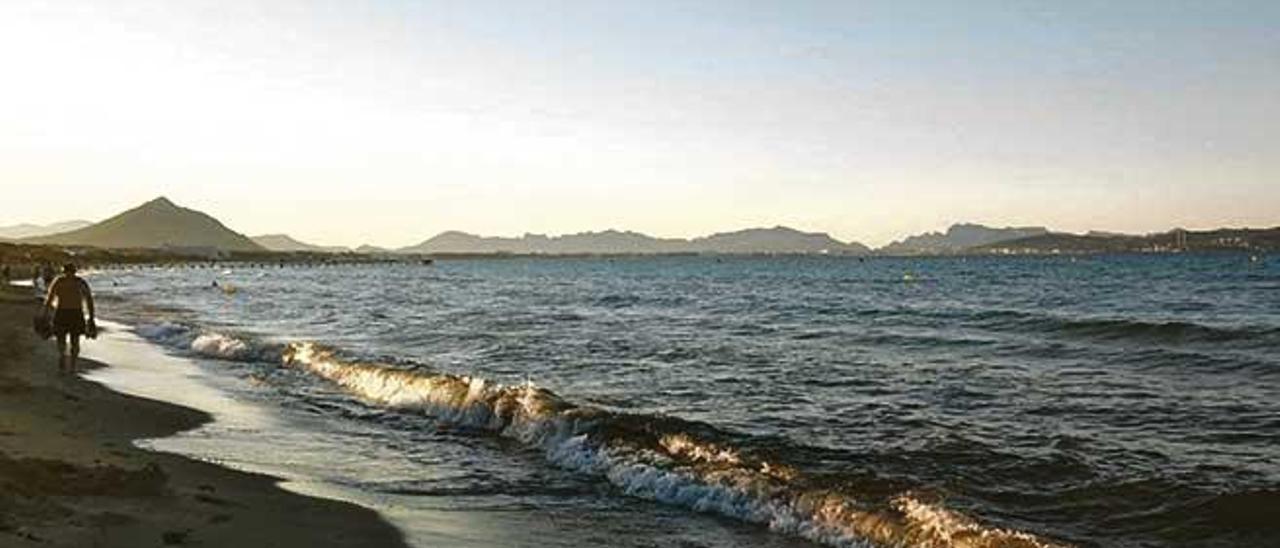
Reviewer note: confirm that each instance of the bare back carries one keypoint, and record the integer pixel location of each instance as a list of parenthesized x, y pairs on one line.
[(69, 291)]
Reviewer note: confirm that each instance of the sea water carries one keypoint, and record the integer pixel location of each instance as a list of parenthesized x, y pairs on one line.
[(749, 401)]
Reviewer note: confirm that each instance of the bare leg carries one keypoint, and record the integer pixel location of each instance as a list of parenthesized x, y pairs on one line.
[(75, 353), (62, 352)]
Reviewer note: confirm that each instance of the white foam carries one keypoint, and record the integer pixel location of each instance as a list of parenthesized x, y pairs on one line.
[(218, 345), (208, 344), (679, 469), (167, 333)]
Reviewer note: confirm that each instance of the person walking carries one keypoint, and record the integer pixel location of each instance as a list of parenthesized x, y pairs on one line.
[(47, 274), (69, 297)]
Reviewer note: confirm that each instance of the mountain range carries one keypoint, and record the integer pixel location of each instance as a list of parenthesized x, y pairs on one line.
[(1173, 241), (755, 240), (959, 238), (160, 224)]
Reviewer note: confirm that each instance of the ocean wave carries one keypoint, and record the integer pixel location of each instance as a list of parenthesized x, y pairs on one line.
[(1116, 329), (664, 459), (169, 334), (1166, 332), (208, 343)]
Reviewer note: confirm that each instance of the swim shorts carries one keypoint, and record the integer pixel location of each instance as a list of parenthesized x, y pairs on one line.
[(68, 321)]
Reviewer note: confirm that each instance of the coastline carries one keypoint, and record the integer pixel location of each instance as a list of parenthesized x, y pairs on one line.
[(70, 474)]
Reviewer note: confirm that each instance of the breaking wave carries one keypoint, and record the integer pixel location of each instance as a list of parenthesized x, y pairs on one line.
[(659, 458), (664, 459), (210, 344)]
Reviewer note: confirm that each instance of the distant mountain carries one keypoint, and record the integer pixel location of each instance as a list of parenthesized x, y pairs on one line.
[(157, 224), (609, 241), (372, 249), (284, 242), (461, 242), (1174, 241), (958, 238), (1105, 234), (758, 240), (606, 242), (775, 240), (18, 232)]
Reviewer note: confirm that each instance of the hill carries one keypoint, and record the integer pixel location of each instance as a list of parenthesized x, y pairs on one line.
[(779, 240), (584, 243), (18, 232), (158, 224), (284, 242), (372, 250), (1174, 241), (958, 238)]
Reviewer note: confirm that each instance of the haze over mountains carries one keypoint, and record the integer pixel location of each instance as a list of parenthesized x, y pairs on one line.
[(26, 230), (755, 240), (284, 242), (160, 224)]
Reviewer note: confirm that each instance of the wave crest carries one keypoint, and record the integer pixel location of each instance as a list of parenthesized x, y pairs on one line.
[(209, 344), (659, 458)]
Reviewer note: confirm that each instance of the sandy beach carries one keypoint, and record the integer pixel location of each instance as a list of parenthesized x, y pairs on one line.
[(70, 476)]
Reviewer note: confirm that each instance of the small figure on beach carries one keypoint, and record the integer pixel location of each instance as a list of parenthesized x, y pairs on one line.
[(69, 297), (4, 274)]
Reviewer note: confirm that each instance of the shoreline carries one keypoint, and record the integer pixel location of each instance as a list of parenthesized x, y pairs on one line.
[(70, 474)]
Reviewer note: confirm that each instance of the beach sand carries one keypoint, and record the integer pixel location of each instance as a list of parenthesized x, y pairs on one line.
[(70, 476)]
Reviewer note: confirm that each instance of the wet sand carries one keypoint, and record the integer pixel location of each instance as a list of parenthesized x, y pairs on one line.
[(70, 476)]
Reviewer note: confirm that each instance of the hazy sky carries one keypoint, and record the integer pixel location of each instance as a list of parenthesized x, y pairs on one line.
[(350, 122)]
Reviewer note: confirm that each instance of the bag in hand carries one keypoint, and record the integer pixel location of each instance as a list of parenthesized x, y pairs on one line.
[(42, 327), (91, 330)]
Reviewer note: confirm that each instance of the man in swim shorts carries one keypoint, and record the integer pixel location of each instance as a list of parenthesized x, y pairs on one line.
[(67, 296)]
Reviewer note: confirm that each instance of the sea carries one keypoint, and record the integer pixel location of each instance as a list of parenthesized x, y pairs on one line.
[(698, 401)]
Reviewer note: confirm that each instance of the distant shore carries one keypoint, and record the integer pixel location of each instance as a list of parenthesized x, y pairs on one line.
[(22, 257), (70, 476)]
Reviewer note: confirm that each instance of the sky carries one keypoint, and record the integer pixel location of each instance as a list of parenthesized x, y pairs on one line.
[(386, 122)]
